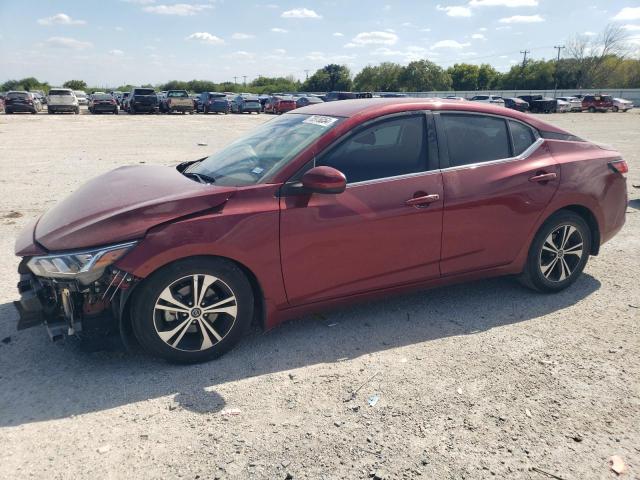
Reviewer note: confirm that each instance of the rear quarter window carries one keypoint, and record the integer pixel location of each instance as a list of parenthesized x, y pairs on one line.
[(523, 137)]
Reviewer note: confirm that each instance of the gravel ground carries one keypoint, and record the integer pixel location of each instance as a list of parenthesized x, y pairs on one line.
[(473, 381)]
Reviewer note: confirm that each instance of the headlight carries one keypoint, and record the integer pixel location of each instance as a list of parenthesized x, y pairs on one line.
[(85, 266)]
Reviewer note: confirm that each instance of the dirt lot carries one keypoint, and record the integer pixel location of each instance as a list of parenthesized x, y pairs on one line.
[(474, 381)]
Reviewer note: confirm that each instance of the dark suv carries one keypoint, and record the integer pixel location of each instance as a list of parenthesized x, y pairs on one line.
[(333, 96), (142, 100), (597, 103)]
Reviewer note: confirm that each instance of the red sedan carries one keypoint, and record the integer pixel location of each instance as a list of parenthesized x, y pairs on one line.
[(331, 203), (280, 105)]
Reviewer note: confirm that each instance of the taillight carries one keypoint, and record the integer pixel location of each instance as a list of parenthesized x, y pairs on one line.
[(113, 102), (169, 102), (619, 166)]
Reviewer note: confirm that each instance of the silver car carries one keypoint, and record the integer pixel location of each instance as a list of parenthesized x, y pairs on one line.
[(575, 104), (494, 99), (622, 105)]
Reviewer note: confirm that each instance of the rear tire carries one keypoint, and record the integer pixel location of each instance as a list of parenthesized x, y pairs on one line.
[(558, 254), (167, 330), (615, 109), (592, 110)]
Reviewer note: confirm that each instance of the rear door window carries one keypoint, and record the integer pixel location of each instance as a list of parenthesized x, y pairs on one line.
[(475, 138)]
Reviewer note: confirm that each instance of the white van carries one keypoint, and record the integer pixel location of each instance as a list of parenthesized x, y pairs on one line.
[(62, 100)]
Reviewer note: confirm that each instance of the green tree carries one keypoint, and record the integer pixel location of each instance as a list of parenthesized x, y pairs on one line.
[(380, 78), (464, 76), (28, 84), (75, 84), (329, 78), (424, 75), (487, 77)]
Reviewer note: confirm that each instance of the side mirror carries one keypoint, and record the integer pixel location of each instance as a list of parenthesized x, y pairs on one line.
[(324, 180)]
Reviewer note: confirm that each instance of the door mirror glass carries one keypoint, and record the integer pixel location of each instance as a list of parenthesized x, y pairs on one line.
[(324, 180)]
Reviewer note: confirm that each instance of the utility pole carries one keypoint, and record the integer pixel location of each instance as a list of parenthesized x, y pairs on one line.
[(235, 80), (306, 74), (555, 88), (244, 77), (524, 60)]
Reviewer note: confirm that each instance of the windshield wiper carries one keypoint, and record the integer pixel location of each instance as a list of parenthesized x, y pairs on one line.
[(201, 177)]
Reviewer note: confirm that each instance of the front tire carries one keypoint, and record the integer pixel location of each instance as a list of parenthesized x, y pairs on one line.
[(558, 254), (193, 310)]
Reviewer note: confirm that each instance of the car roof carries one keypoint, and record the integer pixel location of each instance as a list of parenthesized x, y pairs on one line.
[(370, 108)]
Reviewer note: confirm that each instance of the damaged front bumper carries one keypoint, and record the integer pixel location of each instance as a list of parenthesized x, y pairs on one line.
[(67, 307)]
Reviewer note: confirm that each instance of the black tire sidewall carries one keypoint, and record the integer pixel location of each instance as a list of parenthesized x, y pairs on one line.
[(147, 293), (533, 274)]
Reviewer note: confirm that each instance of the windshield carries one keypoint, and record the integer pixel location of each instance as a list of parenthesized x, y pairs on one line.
[(59, 92), (143, 91), (17, 95), (264, 151)]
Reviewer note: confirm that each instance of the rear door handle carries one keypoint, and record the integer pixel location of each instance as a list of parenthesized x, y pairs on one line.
[(543, 177), (423, 200)]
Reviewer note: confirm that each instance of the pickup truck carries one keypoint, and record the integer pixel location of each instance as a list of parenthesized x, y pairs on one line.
[(177, 101)]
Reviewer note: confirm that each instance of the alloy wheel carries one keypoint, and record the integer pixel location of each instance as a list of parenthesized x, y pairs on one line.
[(195, 312), (561, 253)]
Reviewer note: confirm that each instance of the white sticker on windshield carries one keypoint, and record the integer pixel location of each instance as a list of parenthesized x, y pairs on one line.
[(320, 120), (257, 170)]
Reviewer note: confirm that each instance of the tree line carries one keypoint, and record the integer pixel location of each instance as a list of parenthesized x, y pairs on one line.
[(600, 62)]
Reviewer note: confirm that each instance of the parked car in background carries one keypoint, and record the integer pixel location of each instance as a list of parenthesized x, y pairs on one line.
[(142, 100), (453, 97), (562, 106), (317, 208), (247, 104), (393, 95), (597, 103), (575, 104), (493, 99), (622, 105), (62, 100), (515, 103), (280, 104), (334, 96), (20, 101), (206, 103), (103, 103), (539, 104), (177, 101), (124, 100), (42, 97), (81, 95), (305, 101)]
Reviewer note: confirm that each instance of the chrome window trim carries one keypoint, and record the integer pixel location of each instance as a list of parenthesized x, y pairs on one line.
[(523, 156), (394, 178)]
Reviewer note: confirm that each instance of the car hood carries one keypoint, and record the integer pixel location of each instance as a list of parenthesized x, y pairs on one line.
[(122, 205)]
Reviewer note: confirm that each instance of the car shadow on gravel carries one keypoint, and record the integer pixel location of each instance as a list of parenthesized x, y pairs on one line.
[(43, 381)]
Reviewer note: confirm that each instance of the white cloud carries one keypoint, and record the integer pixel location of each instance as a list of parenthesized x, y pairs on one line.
[(242, 36), (507, 27), (455, 11), (589, 34), (66, 42), (478, 36), (206, 37), (482, 29), (449, 44), (373, 38), (140, 2), (119, 29), (628, 13), (425, 29), (179, 9), (116, 52), (411, 53), (280, 51), (522, 19), (300, 13), (503, 3), (338, 34), (631, 28), (243, 54), (279, 30), (60, 19)]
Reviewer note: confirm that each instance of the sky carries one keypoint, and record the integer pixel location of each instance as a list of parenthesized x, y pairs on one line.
[(115, 42)]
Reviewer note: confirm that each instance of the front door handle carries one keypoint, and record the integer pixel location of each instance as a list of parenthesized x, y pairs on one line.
[(423, 200), (543, 177)]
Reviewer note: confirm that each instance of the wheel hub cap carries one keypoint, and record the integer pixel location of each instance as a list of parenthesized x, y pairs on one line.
[(561, 253)]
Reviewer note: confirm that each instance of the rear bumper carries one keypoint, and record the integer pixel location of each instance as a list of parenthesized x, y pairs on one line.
[(20, 108), (180, 108), (104, 108), (219, 108), (143, 108), (62, 108), (251, 109)]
